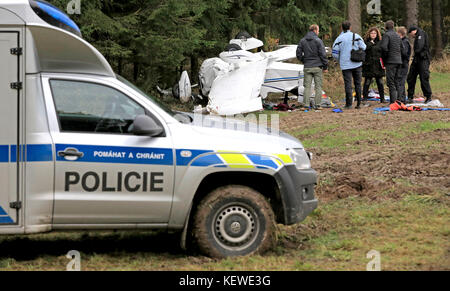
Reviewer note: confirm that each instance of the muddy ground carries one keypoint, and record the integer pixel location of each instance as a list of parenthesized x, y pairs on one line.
[(389, 155), (383, 185)]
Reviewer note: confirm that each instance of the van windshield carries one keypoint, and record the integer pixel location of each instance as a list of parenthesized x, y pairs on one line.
[(181, 117)]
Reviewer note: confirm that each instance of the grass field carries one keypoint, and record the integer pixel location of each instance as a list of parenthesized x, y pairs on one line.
[(384, 186)]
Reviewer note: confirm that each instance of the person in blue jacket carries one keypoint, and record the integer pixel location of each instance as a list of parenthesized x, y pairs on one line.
[(352, 71)]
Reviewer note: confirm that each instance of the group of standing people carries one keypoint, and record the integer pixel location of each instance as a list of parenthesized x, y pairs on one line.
[(386, 55)]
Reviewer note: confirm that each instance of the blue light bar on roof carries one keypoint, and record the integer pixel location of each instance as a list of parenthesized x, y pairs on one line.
[(54, 16)]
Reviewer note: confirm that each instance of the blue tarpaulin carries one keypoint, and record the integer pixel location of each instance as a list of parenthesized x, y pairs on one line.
[(435, 109), (383, 109)]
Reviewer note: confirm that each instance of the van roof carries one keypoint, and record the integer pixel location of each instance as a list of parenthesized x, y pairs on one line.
[(51, 48)]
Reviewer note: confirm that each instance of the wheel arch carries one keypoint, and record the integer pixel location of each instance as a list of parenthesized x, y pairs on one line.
[(262, 183)]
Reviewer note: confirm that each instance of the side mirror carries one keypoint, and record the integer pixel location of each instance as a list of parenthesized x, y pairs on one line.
[(144, 125)]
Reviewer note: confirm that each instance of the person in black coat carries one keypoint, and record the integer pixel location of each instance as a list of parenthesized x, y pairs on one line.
[(391, 46), (372, 66), (420, 64)]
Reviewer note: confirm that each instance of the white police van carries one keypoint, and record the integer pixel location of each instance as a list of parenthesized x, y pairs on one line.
[(83, 149)]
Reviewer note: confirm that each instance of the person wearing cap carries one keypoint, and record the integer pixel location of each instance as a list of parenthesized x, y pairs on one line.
[(420, 65), (391, 45), (311, 51)]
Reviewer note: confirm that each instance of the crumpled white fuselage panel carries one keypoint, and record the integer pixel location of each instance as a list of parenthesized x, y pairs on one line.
[(210, 70), (238, 91)]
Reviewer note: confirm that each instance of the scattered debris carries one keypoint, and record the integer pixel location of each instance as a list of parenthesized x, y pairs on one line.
[(434, 103)]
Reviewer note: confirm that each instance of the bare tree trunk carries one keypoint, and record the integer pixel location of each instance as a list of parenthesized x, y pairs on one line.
[(411, 13), (194, 68), (119, 66), (135, 71), (262, 37), (354, 15), (437, 29)]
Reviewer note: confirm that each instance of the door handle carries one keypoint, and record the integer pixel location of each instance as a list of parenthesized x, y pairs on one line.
[(71, 154)]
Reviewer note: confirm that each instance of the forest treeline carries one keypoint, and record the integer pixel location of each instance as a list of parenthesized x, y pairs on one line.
[(151, 41)]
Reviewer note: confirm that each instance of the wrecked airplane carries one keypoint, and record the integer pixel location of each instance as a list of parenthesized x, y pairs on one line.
[(238, 80)]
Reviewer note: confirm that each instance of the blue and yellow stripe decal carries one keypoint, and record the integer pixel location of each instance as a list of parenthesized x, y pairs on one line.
[(149, 156), (230, 159), (4, 217), (263, 162)]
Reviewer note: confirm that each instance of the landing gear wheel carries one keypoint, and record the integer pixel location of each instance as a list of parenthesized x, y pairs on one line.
[(234, 221)]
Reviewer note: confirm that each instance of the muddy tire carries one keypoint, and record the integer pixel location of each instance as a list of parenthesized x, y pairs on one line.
[(233, 221)]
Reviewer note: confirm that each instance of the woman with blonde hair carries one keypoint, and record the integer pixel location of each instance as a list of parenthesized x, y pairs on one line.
[(373, 67)]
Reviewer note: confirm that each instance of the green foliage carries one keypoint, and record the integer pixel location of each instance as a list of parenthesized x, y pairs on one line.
[(152, 41)]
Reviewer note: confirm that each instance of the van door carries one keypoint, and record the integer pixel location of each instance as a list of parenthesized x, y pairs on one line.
[(9, 132), (104, 174)]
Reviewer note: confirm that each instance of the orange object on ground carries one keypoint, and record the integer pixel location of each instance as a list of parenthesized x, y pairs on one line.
[(399, 106)]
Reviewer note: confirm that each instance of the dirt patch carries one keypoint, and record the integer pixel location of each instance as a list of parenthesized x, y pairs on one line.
[(380, 176), (345, 187), (381, 156)]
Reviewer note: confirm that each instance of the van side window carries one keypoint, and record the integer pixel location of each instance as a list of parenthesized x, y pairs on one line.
[(93, 108)]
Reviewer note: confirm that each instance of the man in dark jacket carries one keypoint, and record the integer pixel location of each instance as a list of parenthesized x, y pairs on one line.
[(392, 56), (311, 52), (406, 56), (420, 65)]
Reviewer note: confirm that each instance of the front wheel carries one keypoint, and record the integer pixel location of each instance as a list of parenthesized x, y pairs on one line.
[(234, 221)]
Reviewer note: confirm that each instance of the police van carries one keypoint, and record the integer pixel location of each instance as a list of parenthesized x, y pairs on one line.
[(83, 149)]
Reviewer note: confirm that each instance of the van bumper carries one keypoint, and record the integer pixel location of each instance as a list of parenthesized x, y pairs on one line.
[(297, 193)]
